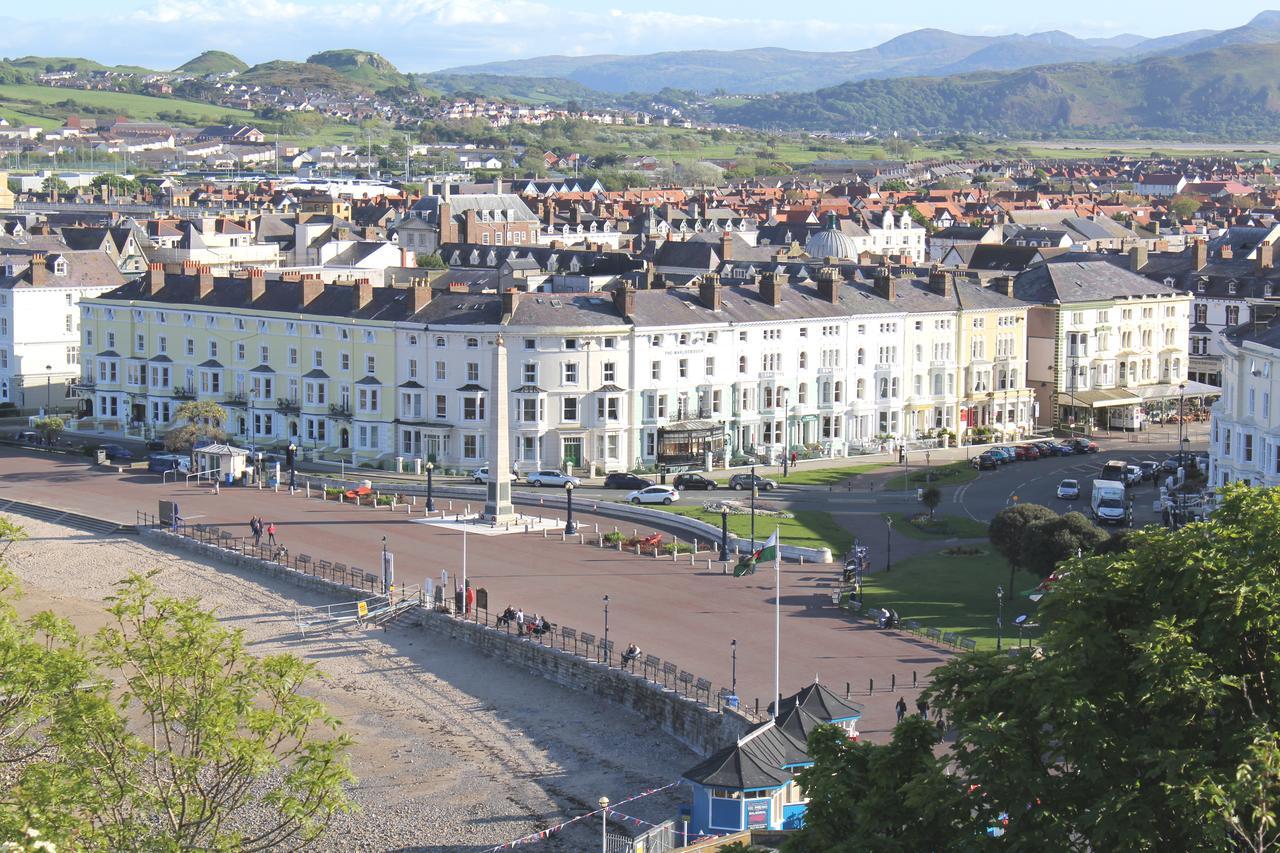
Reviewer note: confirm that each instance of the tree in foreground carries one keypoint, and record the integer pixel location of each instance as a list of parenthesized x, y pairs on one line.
[(1007, 528), (200, 422), (181, 740), (1148, 723)]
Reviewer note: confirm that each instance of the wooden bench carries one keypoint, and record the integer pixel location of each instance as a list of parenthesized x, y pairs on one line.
[(357, 494)]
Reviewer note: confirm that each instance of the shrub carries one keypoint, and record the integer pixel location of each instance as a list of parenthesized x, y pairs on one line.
[(615, 537), (384, 500), (332, 492), (677, 548)]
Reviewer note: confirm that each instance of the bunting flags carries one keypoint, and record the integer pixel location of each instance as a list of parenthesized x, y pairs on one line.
[(545, 833)]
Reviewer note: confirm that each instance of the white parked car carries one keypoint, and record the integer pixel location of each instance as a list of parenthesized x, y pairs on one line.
[(654, 495), (551, 478), (1069, 490), (481, 475)]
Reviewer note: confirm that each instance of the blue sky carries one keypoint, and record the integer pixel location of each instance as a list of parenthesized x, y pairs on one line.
[(423, 35)]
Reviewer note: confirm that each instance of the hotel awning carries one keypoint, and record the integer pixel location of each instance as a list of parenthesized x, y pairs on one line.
[(1101, 398), (1168, 391)]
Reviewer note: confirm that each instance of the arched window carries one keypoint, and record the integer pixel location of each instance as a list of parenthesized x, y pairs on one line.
[(862, 388), (742, 364), (884, 389), (768, 398), (862, 355), (439, 340), (473, 343), (804, 360)]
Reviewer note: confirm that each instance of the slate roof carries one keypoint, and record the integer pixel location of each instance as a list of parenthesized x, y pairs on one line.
[(755, 761), (1068, 280), (820, 703), (84, 269)]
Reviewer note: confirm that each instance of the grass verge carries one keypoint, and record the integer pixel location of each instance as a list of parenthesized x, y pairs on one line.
[(953, 594), (825, 476), (809, 528), (919, 526), (951, 474)]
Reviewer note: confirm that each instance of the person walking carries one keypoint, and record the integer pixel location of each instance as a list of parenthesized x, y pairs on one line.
[(901, 708), (520, 620), (255, 526), (271, 533), (923, 707)]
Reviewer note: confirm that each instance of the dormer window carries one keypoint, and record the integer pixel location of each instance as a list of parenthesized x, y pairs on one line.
[(1231, 288), (60, 267)]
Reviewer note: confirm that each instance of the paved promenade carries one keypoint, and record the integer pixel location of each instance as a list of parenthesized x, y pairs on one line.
[(679, 612)]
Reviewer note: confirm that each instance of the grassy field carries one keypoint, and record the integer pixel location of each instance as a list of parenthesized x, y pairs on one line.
[(809, 528), (952, 594), (942, 526), (951, 474), (39, 101), (825, 476)]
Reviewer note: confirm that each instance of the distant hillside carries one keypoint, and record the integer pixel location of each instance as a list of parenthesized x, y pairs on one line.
[(49, 64), (297, 75), (533, 90), (364, 68), (213, 62), (1230, 92), (926, 52)]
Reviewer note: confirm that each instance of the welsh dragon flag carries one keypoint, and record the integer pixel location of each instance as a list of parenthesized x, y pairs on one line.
[(768, 552)]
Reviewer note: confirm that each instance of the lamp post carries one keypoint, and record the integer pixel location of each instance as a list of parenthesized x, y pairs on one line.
[(48, 389), (604, 824), (570, 526), (292, 454), (999, 614), (754, 490), (733, 677), (431, 501), (724, 534), (888, 545), (605, 644)]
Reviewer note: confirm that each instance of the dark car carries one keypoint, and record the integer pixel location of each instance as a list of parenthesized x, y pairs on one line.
[(116, 453), (685, 482), (1064, 449), (1083, 445), (1030, 451), (631, 482), (1178, 460), (27, 436), (985, 461), (156, 446), (744, 481)]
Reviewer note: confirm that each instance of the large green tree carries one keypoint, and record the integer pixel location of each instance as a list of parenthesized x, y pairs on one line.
[(1049, 542), (1149, 720), (1008, 527), (199, 423)]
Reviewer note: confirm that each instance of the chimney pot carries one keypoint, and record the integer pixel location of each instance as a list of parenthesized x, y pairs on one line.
[(709, 291), (361, 294)]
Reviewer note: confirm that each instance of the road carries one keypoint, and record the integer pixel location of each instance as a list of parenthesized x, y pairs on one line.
[(679, 612)]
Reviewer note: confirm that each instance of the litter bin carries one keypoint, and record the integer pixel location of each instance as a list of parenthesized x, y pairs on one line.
[(731, 701), (101, 456), (231, 479)]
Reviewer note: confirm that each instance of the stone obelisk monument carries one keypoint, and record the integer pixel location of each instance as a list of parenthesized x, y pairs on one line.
[(497, 503)]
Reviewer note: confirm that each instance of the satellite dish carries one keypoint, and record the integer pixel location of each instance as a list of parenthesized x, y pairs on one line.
[(1020, 619)]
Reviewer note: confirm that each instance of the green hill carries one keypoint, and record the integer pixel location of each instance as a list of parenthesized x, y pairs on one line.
[(298, 75), (533, 90), (49, 107), (364, 68), (213, 62), (45, 64), (1222, 93)]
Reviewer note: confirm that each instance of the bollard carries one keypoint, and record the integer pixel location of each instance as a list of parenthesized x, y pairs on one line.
[(468, 509), (450, 506), (615, 528), (675, 549), (596, 527), (561, 535), (307, 486), (913, 678), (893, 682), (695, 546), (637, 549), (802, 559), (871, 686), (544, 534), (341, 498), (619, 546), (693, 559), (757, 707), (846, 690)]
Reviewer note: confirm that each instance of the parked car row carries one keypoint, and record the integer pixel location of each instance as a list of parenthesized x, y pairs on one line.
[(994, 457)]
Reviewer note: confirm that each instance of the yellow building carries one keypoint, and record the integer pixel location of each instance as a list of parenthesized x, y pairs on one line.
[(993, 344), (6, 194), (291, 360)]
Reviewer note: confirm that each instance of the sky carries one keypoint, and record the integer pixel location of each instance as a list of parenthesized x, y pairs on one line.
[(426, 35)]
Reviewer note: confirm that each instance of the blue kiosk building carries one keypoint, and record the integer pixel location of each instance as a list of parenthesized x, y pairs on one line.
[(750, 784)]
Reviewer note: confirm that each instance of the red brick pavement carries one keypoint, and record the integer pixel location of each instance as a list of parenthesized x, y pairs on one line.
[(679, 612)]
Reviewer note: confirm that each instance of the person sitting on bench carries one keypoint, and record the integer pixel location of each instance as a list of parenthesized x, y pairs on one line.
[(631, 654), (507, 615)]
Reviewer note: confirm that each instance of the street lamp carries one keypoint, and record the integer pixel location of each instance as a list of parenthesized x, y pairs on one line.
[(888, 543), (292, 457), (605, 644), (570, 526), (754, 491), (724, 534), (48, 389), (999, 614), (604, 824), (431, 501), (733, 678)]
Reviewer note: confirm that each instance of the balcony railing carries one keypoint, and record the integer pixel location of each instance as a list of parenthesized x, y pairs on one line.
[(288, 405), (339, 410), (85, 383), (236, 399), (184, 393)]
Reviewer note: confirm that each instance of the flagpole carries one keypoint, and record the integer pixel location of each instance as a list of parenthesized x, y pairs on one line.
[(777, 622)]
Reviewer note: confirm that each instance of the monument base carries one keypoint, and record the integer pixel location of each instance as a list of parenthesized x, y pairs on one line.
[(482, 525)]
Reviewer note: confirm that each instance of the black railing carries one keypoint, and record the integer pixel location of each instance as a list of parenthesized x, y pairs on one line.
[(288, 405)]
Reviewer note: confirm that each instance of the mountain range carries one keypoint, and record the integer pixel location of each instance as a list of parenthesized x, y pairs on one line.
[(926, 52)]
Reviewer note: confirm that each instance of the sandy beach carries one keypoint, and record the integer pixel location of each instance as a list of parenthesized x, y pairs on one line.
[(454, 751)]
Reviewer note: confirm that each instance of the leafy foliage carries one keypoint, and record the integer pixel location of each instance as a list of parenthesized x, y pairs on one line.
[(200, 422)]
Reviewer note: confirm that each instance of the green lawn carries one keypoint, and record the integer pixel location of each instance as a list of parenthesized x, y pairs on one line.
[(952, 594), (39, 100), (942, 526), (951, 474), (809, 528), (825, 476)]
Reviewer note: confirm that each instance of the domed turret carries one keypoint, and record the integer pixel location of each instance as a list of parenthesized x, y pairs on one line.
[(830, 242)]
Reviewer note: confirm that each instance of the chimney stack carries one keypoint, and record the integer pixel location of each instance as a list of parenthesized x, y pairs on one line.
[(257, 283), (1200, 254), (510, 299), (726, 246), (885, 286), (420, 294), (624, 299), (1137, 257), (940, 281), (1226, 252), (828, 285), (312, 288), (1003, 284), (155, 276), (204, 280), (39, 269), (709, 291), (771, 289), (1266, 256), (361, 294)]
